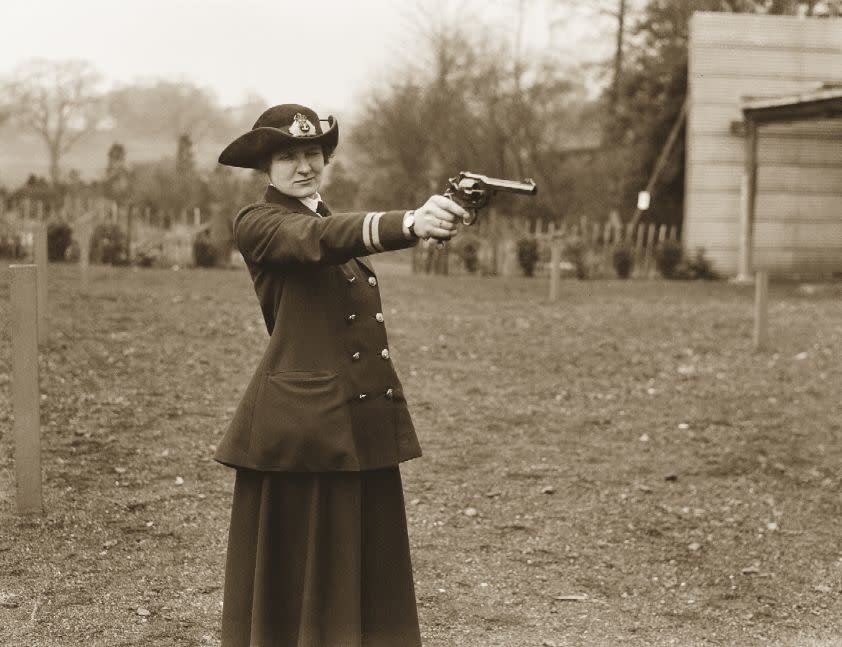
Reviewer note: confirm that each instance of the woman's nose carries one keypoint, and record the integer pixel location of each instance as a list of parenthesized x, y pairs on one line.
[(304, 166)]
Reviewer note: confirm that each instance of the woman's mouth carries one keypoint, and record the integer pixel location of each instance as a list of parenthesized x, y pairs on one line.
[(309, 179)]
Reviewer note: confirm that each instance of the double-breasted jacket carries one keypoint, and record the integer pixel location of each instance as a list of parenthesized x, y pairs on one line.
[(325, 395)]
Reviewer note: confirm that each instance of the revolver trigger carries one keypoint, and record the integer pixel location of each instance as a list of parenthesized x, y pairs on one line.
[(471, 218)]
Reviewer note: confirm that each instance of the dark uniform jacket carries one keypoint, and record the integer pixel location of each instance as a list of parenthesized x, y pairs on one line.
[(325, 395)]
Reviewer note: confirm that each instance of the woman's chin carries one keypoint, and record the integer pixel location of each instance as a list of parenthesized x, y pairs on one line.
[(304, 189)]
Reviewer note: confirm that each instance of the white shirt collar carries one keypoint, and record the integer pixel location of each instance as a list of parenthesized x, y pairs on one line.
[(312, 201)]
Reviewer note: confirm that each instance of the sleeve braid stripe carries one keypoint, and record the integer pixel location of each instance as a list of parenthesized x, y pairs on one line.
[(367, 232), (375, 231)]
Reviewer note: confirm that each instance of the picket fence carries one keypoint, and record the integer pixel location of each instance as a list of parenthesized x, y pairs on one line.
[(166, 235), (593, 242), (599, 240)]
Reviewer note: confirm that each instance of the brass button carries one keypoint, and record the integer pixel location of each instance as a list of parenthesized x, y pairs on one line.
[(352, 317), (355, 356), (363, 396), (372, 281), (351, 279), (389, 394), (379, 317), (384, 353)]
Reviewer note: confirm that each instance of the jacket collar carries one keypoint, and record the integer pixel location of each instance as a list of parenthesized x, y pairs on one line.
[(293, 204)]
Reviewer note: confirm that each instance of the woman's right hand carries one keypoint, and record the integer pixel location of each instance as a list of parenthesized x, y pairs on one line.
[(437, 218)]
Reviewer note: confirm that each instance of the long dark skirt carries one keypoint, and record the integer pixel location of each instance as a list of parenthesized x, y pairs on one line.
[(319, 560)]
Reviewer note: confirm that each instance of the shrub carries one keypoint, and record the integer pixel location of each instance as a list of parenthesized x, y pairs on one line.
[(576, 251), (148, 255), (623, 260), (11, 246), (527, 255), (699, 267), (59, 236), (72, 254), (668, 257), (468, 251), (108, 244), (205, 253)]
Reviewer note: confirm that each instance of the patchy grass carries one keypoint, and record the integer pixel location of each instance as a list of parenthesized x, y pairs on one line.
[(624, 444)]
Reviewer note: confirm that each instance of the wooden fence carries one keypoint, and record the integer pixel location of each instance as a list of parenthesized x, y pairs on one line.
[(589, 245), (164, 235), (597, 242), (168, 237)]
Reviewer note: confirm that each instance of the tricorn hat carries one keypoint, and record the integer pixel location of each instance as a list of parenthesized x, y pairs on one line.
[(279, 127)]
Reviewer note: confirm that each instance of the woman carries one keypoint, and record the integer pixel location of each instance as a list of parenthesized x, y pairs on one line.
[(318, 554)]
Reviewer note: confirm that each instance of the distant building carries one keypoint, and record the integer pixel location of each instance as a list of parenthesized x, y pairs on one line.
[(784, 75)]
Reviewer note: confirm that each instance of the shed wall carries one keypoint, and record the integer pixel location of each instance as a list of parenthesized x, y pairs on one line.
[(798, 227)]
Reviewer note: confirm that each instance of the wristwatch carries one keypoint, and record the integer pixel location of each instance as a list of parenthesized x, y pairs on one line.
[(409, 224)]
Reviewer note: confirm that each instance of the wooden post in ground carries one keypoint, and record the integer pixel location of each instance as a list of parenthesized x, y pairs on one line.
[(607, 247), (761, 310), (649, 248), (662, 234), (637, 237), (131, 239), (443, 265), (748, 197), (83, 230), (494, 235), (415, 252), (25, 390), (555, 261), (39, 252)]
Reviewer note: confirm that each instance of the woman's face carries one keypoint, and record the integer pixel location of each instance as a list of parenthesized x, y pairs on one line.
[(297, 170)]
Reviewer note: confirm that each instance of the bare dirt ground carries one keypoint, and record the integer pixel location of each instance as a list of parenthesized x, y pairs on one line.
[(618, 468)]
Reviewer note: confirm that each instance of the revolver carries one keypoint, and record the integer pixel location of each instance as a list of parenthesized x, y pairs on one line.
[(473, 191)]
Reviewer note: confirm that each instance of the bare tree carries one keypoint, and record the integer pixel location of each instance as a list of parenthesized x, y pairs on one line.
[(472, 98), (58, 100)]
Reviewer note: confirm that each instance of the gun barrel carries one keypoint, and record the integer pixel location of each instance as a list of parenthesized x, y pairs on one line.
[(526, 187)]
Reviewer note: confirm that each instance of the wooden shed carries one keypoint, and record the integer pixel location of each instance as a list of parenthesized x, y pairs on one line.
[(782, 66)]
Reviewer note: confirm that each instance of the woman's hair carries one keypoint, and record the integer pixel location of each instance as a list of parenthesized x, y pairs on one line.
[(266, 163)]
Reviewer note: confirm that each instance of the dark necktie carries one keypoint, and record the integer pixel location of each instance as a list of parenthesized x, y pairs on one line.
[(322, 209)]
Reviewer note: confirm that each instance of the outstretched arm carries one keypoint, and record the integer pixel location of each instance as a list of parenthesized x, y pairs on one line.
[(265, 233)]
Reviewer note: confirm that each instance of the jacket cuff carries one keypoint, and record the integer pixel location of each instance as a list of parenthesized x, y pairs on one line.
[(383, 231)]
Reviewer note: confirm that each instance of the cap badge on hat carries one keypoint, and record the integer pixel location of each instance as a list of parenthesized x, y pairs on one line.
[(302, 127)]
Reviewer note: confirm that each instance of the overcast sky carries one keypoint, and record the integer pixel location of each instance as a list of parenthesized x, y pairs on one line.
[(323, 53)]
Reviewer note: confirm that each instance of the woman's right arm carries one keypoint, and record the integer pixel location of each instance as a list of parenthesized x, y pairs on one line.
[(265, 233), (268, 234)]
